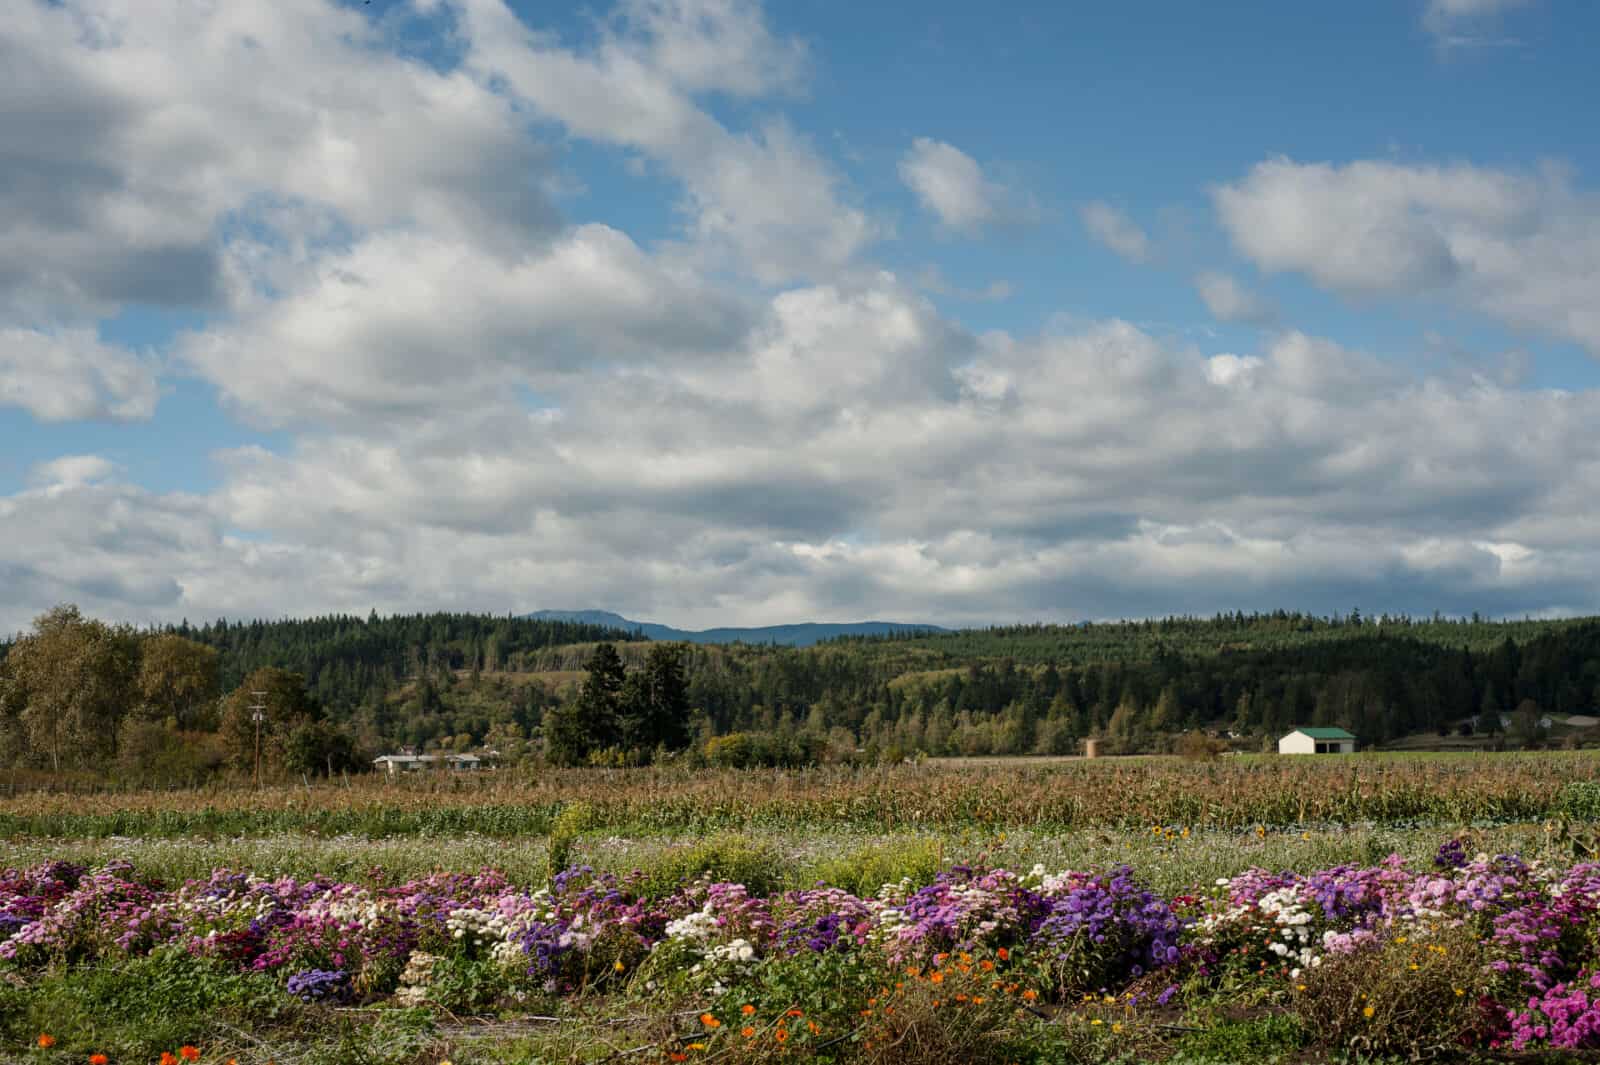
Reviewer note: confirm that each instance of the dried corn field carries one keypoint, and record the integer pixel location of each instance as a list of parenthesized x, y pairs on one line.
[(1116, 793)]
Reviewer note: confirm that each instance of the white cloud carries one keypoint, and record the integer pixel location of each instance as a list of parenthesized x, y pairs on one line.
[(950, 183), (138, 135), (1466, 22), (853, 453), (763, 198), (1524, 248), (71, 471), (1229, 301), (70, 375), (1113, 228), (489, 409), (415, 326)]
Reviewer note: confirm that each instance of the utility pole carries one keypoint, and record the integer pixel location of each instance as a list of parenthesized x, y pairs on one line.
[(258, 713)]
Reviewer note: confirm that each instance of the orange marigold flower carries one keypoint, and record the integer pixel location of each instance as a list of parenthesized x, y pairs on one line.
[(1030, 994), (189, 1053), (747, 1031), (986, 965), (99, 1059), (168, 1058), (795, 1013), (709, 1021), (747, 1009), (46, 1040), (814, 1027), (1005, 955), (677, 1055), (781, 1035)]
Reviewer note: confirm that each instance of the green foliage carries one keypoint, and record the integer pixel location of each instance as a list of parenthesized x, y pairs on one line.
[(565, 830), (1579, 800), (143, 1006), (727, 857), (1260, 1039), (466, 985), (866, 869)]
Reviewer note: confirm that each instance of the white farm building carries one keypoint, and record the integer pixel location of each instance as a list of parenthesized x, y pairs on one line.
[(1317, 741)]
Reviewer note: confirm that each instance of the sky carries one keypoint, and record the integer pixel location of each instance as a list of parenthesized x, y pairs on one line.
[(714, 312)]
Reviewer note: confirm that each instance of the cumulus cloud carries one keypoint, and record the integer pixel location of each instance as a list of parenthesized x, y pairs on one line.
[(492, 409), (412, 325), (1113, 228), (137, 136), (1522, 247), (1229, 301), (949, 183), (854, 453), (71, 471), (763, 199), (70, 374)]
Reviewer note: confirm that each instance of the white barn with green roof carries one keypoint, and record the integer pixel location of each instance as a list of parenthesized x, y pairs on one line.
[(1317, 741)]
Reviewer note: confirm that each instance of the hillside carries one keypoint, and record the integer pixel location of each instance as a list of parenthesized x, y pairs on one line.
[(804, 634)]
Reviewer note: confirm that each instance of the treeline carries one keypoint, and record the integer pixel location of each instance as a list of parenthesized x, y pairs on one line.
[(345, 658), (180, 703), (1223, 633), (176, 701)]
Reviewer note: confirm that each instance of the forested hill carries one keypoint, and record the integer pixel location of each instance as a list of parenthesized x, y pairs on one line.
[(1138, 641), (803, 634), (346, 658), (461, 680)]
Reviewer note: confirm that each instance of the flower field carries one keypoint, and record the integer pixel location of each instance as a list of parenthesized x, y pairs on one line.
[(1448, 954)]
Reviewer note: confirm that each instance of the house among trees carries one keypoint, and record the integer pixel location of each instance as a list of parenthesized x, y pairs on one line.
[(394, 764), (1317, 741)]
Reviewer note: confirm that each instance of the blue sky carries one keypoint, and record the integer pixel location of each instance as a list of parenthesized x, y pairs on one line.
[(715, 312)]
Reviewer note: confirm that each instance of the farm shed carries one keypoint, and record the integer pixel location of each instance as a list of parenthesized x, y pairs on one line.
[(411, 763), (1317, 741)]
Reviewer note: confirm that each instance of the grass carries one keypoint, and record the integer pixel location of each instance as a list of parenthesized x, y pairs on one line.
[(856, 860)]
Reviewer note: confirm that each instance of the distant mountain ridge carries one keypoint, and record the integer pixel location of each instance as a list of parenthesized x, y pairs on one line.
[(802, 635)]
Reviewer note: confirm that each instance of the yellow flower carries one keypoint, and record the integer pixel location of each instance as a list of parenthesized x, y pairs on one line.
[(1116, 1027), (1367, 1011), (1097, 1020), (618, 966), (1459, 992), (697, 1046)]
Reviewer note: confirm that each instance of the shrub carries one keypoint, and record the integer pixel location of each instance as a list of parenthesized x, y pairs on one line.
[(1196, 746), (1417, 995), (864, 870), (728, 857), (564, 832)]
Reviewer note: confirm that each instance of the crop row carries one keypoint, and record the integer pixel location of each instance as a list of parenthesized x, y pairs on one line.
[(1113, 794)]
